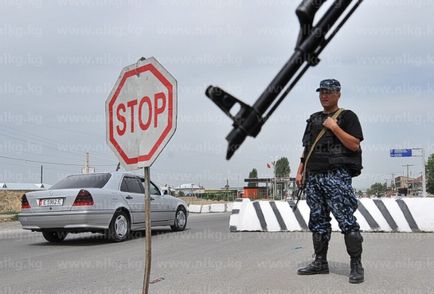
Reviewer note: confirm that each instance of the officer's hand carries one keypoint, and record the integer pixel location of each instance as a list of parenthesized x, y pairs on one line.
[(298, 179), (330, 123)]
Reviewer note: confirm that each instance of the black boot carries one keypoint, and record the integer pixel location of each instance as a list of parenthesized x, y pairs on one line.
[(353, 241), (320, 264)]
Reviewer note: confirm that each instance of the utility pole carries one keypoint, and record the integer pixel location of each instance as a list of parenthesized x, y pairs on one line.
[(86, 163), (85, 169), (423, 170), (42, 176), (423, 174), (393, 183), (407, 165), (275, 182), (226, 189)]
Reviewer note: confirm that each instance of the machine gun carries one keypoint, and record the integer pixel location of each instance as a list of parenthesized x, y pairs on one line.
[(310, 43)]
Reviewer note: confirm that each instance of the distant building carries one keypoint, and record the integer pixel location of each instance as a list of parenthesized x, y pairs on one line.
[(190, 189), (415, 186), (277, 188), (408, 186), (401, 182)]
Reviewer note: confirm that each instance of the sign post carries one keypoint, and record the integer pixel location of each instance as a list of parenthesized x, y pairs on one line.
[(422, 154), (400, 153), (148, 232), (141, 113), (409, 153)]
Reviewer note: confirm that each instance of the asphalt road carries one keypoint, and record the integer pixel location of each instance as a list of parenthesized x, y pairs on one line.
[(208, 259)]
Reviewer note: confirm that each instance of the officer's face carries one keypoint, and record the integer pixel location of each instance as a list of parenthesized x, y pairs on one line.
[(329, 99)]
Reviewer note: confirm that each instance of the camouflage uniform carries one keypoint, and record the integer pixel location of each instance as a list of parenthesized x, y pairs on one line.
[(329, 170), (331, 191)]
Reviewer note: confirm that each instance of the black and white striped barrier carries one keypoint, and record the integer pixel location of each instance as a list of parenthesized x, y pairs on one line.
[(373, 214)]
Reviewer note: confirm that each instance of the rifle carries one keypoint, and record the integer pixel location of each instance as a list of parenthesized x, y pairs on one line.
[(310, 43), (299, 194)]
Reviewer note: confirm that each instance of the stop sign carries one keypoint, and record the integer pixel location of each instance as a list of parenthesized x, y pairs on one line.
[(141, 113)]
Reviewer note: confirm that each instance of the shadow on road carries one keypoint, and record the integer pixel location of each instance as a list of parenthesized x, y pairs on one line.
[(339, 268), (89, 239)]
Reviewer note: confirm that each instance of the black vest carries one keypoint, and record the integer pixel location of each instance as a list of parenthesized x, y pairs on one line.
[(329, 152)]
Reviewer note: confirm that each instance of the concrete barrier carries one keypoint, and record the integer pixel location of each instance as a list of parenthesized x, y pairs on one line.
[(235, 215), (194, 208), (210, 208), (205, 208), (373, 214), (221, 207)]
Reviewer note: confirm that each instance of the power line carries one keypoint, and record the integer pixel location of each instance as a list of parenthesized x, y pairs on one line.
[(45, 142), (54, 163)]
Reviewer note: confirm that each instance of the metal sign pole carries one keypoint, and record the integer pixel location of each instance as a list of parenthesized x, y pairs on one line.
[(140, 148), (422, 154), (423, 174), (148, 233)]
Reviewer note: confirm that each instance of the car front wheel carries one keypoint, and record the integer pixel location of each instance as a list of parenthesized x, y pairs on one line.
[(54, 237), (119, 227), (180, 220)]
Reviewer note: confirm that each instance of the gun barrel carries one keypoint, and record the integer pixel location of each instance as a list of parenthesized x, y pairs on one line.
[(249, 120), (304, 53), (235, 138)]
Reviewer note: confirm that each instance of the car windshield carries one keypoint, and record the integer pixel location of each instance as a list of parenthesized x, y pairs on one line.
[(83, 181)]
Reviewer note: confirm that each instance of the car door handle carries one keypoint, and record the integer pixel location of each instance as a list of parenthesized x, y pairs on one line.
[(129, 197)]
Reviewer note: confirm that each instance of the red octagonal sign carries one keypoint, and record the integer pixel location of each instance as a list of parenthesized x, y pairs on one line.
[(141, 113)]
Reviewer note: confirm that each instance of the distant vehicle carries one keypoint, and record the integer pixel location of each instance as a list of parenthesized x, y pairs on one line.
[(165, 190), (110, 203)]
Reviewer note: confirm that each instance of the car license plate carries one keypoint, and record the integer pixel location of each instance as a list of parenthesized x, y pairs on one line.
[(51, 202)]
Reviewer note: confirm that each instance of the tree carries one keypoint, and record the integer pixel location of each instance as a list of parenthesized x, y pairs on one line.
[(282, 167), (377, 189), (253, 175), (429, 168)]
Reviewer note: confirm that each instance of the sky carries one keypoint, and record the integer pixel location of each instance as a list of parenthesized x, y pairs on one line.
[(59, 60)]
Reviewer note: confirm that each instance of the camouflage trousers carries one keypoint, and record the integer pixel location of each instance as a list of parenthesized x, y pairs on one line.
[(331, 191)]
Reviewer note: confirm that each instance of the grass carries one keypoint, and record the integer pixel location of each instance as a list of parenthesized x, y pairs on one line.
[(9, 212), (9, 216)]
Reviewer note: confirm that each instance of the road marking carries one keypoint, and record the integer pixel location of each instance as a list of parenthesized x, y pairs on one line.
[(156, 280)]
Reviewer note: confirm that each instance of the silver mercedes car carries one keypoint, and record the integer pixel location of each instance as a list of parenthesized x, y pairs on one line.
[(109, 203)]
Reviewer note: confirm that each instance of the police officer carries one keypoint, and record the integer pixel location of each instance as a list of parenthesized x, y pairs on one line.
[(335, 159)]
